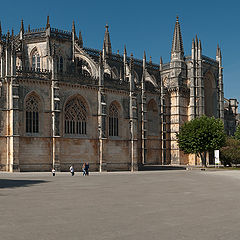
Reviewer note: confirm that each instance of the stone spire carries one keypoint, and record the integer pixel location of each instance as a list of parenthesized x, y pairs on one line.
[(73, 28), (22, 26), (219, 55), (161, 64), (12, 36), (0, 31), (107, 41), (80, 40), (177, 43), (150, 60), (48, 23), (144, 61), (21, 30), (125, 63)]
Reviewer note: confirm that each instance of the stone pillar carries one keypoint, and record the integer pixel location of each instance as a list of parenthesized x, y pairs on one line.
[(143, 114), (101, 114), (55, 114), (13, 112), (133, 120), (192, 85)]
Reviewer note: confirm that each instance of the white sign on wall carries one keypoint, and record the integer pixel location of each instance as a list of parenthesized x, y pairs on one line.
[(216, 155)]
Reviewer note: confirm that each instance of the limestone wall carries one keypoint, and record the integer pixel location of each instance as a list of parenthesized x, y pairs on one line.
[(35, 154)]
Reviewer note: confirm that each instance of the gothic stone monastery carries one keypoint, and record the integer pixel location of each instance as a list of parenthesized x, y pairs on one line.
[(62, 103)]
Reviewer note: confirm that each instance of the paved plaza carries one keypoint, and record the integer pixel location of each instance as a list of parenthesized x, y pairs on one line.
[(118, 206)]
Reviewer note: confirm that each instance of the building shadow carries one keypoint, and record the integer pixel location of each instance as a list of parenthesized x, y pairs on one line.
[(9, 183)]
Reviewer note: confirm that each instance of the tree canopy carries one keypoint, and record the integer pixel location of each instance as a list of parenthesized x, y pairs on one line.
[(201, 135), (230, 152), (237, 133)]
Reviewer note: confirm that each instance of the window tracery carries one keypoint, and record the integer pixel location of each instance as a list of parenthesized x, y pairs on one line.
[(75, 117), (113, 120), (32, 115), (36, 60)]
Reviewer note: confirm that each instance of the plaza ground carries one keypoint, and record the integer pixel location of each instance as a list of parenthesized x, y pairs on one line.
[(142, 205)]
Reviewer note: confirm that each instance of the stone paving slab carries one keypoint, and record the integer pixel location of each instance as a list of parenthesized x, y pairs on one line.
[(122, 205)]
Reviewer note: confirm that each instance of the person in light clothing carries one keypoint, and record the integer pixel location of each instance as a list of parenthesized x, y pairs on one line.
[(71, 170)]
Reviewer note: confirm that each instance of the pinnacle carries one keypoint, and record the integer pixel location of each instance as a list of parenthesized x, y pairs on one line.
[(177, 43), (48, 23), (107, 41)]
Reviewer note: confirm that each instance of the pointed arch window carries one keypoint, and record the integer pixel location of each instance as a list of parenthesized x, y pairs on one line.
[(75, 117), (60, 64), (32, 115), (36, 60), (113, 120)]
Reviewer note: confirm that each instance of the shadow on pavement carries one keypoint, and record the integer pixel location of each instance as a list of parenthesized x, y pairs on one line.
[(9, 183)]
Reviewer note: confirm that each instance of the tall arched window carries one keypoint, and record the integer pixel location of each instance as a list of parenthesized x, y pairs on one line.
[(61, 64), (75, 117), (152, 118), (113, 120), (32, 114), (35, 60)]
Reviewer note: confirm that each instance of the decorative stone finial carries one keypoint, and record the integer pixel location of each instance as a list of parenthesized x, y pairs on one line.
[(48, 23)]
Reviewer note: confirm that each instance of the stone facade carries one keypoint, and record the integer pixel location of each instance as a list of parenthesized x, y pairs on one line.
[(62, 103), (231, 116)]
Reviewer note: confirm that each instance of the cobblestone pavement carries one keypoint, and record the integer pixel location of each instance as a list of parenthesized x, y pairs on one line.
[(143, 205)]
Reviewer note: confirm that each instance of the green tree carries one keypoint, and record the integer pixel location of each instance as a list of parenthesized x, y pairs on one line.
[(230, 152), (201, 135), (237, 133)]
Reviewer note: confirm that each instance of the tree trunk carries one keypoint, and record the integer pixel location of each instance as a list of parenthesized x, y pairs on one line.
[(203, 159)]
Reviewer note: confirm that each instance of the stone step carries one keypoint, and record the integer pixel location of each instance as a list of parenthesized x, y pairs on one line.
[(149, 167)]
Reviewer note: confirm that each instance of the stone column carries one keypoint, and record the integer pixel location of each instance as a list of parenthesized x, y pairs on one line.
[(133, 120), (55, 114), (13, 112)]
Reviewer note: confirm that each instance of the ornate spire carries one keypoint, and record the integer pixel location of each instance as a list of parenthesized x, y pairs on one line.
[(177, 43), (107, 41), (22, 26), (150, 60), (0, 31), (73, 28), (80, 40), (217, 53), (12, 34), (48, 23), (161, 63), (144, 61), (196, 41), (29, 28), (193, 44), (199, 44), (125, 50), (21, 30)]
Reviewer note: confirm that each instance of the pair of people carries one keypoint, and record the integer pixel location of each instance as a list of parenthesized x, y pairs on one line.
[(85, 169)]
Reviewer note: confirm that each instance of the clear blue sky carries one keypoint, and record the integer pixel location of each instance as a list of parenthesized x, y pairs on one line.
[(141, 25)]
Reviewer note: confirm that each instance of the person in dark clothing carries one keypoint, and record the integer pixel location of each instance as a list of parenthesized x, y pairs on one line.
[(87, 168)]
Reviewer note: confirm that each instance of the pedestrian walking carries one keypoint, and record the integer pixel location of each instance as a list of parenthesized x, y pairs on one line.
[(83, 168), (87, 168), (71, 170), (53, 172)]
